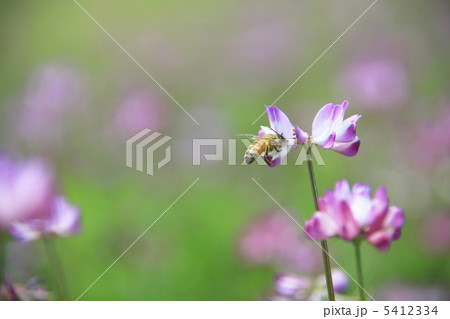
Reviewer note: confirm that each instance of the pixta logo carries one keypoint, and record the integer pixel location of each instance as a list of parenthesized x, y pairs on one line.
[(143, 145)]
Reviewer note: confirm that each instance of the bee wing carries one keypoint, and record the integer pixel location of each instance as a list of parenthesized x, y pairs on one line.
[(255, 137)]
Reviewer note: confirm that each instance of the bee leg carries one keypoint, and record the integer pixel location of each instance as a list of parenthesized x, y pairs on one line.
[(266, 156)]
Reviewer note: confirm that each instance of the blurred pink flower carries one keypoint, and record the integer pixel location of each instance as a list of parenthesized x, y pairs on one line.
[(63, 220), (401, 291), (289, 284), (53, 93), (348, 213), (26, 190), (436, 232), (432, 145), (33, 290), (276, 239), (139, 110), (341, 282), (376, 82), (309, 288)]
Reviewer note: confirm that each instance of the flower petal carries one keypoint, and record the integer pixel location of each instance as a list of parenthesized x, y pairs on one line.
[(341, 281), (342, 190), (394, 218), (322, 120), (321, 227), (24, 232), (346, 132), (344, 106), (288, 285), (380, 240), (265, 130), (349, 227), (362, 204), (326, 141), (65, 218), (280, 122), (301, 136), (338, 116), (272, 162), (347, 149), (380, 204)]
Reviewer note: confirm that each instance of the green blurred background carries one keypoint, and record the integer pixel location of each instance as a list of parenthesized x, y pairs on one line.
[(222, 61)]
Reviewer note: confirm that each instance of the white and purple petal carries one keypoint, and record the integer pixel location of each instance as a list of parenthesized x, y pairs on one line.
[(24, 232), (301, 136), (341, 282), (280, 122), (288, 285), (65, 218), (322, 120), (265, 130), (346, 132), (326, 140), (321, 226), (348, 149)]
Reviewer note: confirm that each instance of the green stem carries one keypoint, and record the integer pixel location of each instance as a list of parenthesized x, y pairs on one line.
[(2, 257), (323, 243), (362, 295), (58, 273)]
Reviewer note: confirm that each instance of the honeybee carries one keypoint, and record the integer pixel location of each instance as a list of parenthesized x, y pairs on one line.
[(270, 145)]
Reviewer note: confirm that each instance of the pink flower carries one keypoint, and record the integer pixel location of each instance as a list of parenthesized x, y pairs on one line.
[(403, 291), (53, 95), (436, 233), (139, 110), (304, 288), (432, 144), (63, 220), (377, 82), (26, 190), (331, 131), (347, 213), (288, 285), (341, 282), (274, 240)]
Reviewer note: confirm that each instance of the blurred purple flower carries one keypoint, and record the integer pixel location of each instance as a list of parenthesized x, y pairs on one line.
[(63, 220), (432, 145), (331, 131), (26, 190), (33, 290), (275, 239), (377, 82), (436, 232), (279, 124), (139, 110), (309, 288), (341, 281), (348, 213), (412, 292), (288, 284), (53, 93)]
